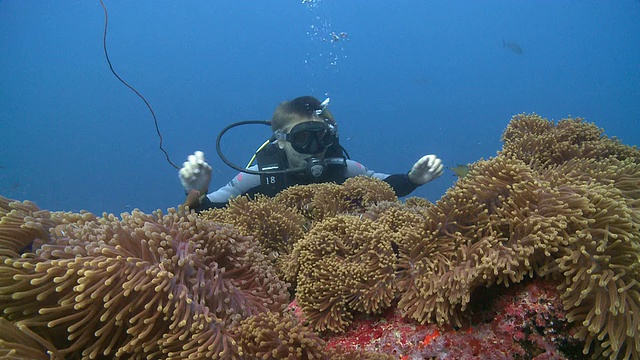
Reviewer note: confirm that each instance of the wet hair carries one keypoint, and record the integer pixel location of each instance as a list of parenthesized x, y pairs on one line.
[(298, 110)]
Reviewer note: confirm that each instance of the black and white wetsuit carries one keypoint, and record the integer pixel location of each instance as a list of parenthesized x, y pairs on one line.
[(249, 184)]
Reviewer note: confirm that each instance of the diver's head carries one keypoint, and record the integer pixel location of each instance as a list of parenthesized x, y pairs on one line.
[(304, 128)]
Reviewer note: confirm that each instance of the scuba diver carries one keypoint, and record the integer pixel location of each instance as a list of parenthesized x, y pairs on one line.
[(304, 149)]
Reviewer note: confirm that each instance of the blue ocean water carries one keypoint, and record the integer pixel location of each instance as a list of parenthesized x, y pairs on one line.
[(405, 78)]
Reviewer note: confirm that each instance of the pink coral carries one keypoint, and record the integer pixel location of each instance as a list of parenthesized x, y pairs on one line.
[(525, 321)]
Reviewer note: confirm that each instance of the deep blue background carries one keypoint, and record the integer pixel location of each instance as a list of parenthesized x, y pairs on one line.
[(414, 77)]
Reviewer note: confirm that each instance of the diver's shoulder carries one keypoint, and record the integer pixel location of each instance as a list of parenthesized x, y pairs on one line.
[(356, 168)]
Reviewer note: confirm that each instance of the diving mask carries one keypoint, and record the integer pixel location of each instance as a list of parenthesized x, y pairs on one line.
[(310, 137)]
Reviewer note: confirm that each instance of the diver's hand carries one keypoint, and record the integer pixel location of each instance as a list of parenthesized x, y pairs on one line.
[(195, 173), (426, 169)]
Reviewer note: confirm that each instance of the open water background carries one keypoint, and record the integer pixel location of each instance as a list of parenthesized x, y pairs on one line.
[(406, 78)]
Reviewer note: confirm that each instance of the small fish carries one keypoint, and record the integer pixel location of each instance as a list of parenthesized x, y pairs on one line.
[(513, 46), (460, 170)]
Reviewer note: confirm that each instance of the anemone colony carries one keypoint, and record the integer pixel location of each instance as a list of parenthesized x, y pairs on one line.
[(560, 201)]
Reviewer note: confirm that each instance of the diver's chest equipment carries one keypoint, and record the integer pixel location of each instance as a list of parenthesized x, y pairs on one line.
[(274, 175), (309, 137)]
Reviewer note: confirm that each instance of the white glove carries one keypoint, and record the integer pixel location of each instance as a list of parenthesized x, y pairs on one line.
[(195, 173), (426, 169)]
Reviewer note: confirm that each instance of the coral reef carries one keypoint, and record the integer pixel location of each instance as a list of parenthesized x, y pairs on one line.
[(22, 223), (274, 225), (541, 143), (559, 204), (270, 335), (346, 265), (559, 201), (18, 342), (145, 286), (525, 321), (320, 201)]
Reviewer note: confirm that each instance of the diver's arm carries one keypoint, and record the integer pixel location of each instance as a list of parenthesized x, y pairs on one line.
[(241, 184), (400, 183)]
